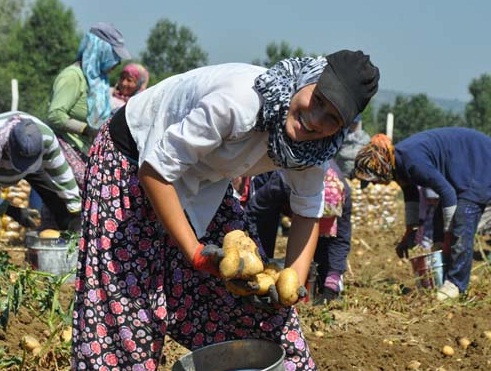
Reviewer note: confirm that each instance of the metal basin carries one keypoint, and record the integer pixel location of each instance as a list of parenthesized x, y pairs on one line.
[(235, 355), (429, 270)]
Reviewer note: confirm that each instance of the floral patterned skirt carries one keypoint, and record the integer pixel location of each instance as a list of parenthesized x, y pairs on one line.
[(134, 286)]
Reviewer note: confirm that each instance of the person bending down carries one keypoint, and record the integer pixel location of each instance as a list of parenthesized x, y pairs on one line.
[(158, 201)]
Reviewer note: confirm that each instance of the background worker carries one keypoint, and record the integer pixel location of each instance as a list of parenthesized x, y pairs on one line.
[(452, 162), (354, 141), (271, 200), (30, 151)]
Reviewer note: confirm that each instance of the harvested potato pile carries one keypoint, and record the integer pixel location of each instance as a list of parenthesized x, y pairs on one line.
[(245, 273), (18, 195)]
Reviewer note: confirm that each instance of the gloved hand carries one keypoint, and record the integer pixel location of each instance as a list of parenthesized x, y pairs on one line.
[(25, 217), (272, 300), (407, 242), (207, 259), (302, 292)]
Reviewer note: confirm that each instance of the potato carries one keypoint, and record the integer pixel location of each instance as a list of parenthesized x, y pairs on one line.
[(233, 238), (66, 334), (253, 263), (257, 285), (264, 281), (464, 342), (29, 342), (230, 264), (448, 350), (273, 270), (287, 286), (248, 254), (49, 233), (242, 287)]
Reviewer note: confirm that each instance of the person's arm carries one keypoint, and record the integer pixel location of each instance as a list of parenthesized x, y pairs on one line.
[(67, 90), (430, 177), (302, 242), (168, 208), (60, 177)]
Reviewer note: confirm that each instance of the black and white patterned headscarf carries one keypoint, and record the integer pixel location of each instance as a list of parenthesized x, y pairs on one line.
[(277, 86)]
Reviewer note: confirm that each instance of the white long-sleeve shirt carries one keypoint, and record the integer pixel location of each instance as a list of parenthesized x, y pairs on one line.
[(196, 130)]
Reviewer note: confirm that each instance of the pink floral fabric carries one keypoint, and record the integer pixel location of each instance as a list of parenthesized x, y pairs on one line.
[(333, 204), (134, 286)]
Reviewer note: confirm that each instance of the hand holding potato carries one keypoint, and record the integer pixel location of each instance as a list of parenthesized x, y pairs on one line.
[(207, 258), (289, 288)]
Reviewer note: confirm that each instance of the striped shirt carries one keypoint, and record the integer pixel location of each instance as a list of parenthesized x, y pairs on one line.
[(57, 174)]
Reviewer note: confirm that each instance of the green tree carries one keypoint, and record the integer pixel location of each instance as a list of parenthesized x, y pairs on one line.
[(276, 52), (415, 113), (37, 50), (478, 110), (369, 120), (171, 49), (10, 13), (10, 18)]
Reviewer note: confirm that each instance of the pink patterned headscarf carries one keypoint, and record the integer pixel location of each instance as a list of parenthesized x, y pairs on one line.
[(141, 75)]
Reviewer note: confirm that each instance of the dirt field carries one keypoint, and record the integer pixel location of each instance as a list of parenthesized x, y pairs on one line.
[(382, 322)]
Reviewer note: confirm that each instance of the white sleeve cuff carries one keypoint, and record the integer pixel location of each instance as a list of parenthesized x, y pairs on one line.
[(309, 207), (448, 213)]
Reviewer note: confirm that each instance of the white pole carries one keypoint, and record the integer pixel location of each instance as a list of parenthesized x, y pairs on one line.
[(15, 95), (390, 125)]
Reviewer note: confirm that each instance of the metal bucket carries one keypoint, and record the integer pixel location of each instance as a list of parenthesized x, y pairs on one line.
[(50, 255), (235, 355), (428, 269)]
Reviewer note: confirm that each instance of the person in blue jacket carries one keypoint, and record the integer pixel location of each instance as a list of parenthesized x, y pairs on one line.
[(271, 199), (451, 161)]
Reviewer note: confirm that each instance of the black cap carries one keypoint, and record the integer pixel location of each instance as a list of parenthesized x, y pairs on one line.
[(26, 145), (349, 81)]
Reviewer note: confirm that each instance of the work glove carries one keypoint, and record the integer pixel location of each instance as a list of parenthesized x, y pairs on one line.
[(271, 301), (25, 217), (407, 242), (207, 259)]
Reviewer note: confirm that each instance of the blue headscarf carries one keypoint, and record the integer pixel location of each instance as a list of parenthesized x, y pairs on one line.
[(97, 58), (277, 86)]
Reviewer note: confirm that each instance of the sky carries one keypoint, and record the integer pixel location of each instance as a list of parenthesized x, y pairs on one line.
[(420, 46)]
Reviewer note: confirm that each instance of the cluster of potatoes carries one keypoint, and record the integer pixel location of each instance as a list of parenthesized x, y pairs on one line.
[(245, 273), (17, 195), (375, 206)]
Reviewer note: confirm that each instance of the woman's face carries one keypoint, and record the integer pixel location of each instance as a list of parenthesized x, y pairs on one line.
[(311, 116), (127, 84)]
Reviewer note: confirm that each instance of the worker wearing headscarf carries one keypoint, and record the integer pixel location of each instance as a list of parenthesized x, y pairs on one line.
[(132, 80), (453, 162)]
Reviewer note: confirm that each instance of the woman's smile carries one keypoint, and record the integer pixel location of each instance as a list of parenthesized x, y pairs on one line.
[(304, 123), (311, 116)]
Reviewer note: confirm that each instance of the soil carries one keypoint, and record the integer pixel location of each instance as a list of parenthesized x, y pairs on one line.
[(382, 321)]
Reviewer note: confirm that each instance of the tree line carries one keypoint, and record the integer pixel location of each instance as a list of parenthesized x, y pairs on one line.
[(40, 38)]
